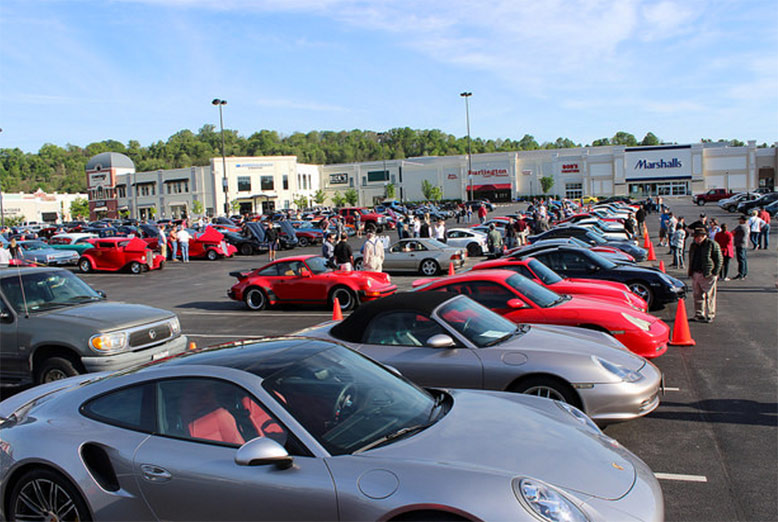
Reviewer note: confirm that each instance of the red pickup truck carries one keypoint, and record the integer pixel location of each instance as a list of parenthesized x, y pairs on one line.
[(370, 220), (716, 194)]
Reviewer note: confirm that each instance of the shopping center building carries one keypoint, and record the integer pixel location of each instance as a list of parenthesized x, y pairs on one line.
[(263, 184)]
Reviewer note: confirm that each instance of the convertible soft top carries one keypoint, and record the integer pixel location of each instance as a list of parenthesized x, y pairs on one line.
[(352, 328)]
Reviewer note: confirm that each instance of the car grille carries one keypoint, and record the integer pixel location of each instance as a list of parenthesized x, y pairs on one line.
[(150, 335)]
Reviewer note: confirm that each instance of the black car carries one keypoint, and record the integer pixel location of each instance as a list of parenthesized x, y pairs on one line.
[(287, 237), (246, 244), (746, 206), (545, 244), (653, 285), (591, 237)]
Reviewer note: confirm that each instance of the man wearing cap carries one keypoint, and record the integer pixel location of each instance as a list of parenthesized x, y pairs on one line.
[(705, 261)]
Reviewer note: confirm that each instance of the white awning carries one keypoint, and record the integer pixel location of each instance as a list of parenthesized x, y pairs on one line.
[(101, 209)]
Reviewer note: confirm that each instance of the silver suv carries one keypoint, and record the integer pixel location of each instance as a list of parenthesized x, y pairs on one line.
[(53, 325)]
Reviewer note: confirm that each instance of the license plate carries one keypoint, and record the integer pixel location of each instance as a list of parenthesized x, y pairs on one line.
[(160, 355)]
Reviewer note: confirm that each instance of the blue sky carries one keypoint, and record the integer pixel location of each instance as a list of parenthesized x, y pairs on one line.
[(79, 71)]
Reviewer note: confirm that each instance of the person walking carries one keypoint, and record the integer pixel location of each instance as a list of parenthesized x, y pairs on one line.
[(15, 249), (373, 253), (494, 241), (162, 242), (677, 242), (439, 231), (424, 228), (755, 224), (640, 217), (173, 243), (726, 242), (740, 240), (764, 233), (664, 220), (468, 214), (344, 257), (328, 249), (416, 226), (705, 262), (510, 234), (271, 234), (482, 213), (183, 241)]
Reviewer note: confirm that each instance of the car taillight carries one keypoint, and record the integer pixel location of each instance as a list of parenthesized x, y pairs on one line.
[(456, 257)]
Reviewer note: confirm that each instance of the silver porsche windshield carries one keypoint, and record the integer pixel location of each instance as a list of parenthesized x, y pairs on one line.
[(478, 324)]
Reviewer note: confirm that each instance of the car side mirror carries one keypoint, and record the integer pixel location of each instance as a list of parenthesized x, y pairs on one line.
[(101, 293), (6, 317), (516, 303), (440, 341), (261, 451)]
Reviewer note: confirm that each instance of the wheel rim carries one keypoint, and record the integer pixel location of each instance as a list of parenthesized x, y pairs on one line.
[(84, 266), (303, 242), (641, 291), (55, 374), (358, 265), (135, 268), (43, 499), (255, 299), (429, 268), (344, 298), (473, 250), (212, 255), (545, 391), (246, 250)]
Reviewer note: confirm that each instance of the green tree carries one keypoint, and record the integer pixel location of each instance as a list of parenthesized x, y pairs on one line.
[(300, 201), (389, 191), (602, 142), (650, 139), (338, 200), (79, 208), (153, 212), (431, 192), (624, 138), (546, 182), (351, 196), (235, 206), (197, 207), (320, 197)]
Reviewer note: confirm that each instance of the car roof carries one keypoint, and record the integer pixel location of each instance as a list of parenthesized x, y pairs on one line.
[(352, 328)]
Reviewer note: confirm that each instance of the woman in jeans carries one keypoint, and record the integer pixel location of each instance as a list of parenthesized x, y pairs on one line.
[(727, 243), (677, 244)]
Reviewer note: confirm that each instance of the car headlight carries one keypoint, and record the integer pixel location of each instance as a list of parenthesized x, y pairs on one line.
[(175, 326), (546, 502), (108, 343), (622, 372), (637, 321), (581, 417)]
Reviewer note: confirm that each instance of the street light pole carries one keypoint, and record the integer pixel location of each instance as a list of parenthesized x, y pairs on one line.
[(220, 103), (466, 95), (2, 212)]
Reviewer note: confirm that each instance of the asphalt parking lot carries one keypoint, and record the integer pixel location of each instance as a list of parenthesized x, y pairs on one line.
[(713, 441)]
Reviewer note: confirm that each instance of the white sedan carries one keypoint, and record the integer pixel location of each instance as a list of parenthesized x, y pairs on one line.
[(472, 240)]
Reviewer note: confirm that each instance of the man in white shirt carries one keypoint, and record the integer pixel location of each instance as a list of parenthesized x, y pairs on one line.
[(183, 242), (373, 253), (755, 224)]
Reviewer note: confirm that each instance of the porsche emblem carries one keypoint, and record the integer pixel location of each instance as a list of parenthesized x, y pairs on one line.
[(620, 468)]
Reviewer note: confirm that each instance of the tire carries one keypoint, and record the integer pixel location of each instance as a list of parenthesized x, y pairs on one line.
[(302, 242), (161, 265), (54, 369), (429, 267), (46, 494), (255, 299), (246, 249), (359, 265), (548, 387), (211, 255), (85, 266), (136, 268), (346, 298), (641, 289), (474, 249), (370, 227)]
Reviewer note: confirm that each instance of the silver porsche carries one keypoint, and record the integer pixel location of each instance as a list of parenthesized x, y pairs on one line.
[(423, 255), (439, 339), (302, 429)]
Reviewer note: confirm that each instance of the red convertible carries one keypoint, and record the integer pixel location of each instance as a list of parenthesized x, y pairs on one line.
[(209, 244), (543, 275), (120, 253), (307, 280), (522, 301)]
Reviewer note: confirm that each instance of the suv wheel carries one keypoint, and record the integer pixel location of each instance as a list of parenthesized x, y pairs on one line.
[(55, 369)]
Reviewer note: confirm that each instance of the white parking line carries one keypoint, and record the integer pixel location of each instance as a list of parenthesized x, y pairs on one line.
[(225, 336), (248, 314), (683, 478)]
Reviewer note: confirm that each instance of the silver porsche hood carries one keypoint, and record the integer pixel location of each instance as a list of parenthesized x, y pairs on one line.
[(541, 441)]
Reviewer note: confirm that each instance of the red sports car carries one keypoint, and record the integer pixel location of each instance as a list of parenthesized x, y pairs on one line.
[(120, 253), (209, 244), (305, 280), (523, 301), (543, 275)]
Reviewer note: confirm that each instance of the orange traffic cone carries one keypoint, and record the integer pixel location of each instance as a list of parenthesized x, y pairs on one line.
[(651, 253), (662, 267), (646, 241), (681, 334), (337, 315), (451, 269)]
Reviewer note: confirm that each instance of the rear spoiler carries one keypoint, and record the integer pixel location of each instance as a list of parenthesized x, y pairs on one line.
[(241, 275)]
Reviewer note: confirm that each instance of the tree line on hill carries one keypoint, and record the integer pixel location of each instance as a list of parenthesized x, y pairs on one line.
[(54, 168)]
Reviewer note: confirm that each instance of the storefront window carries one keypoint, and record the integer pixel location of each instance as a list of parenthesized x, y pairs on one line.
[(244, 183), (286, 182), (266, 183), (573, 190)]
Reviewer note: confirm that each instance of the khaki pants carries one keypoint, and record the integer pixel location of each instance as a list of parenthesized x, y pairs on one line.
[(704, 291)]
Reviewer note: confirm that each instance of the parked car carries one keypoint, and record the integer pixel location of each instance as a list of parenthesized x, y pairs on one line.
[(521, 300), (307, 233), (650, 284), (472, 241), (53, 325), (306, 430), (287, 237), (246, 244), (711, 196), (424, 255), (593, 239), (730, 204), (209, 244), (541, 274), (772, 208), (370, 220), (113, 254), (437, 339), (307, 280), (78, 242), (35, 251), (611, 253), (746, 206)]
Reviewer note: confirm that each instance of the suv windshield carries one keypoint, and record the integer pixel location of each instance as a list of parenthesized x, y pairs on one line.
[(45, 290)]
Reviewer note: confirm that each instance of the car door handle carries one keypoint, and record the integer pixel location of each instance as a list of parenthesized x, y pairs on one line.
[(155, 473)]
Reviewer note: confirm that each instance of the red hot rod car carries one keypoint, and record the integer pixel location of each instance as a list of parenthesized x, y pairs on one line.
[(120, 253)]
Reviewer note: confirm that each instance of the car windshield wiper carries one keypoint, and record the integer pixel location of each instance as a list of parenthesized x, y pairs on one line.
[(518, 330), (79, 298), (560, 299), (402, 432), (46, 306)]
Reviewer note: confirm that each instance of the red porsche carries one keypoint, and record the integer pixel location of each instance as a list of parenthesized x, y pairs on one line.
[(307, 280), (523, 301), (209, 244), (120, 253), (543, 275)]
